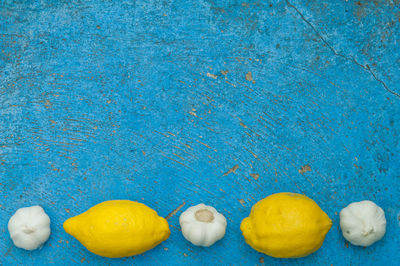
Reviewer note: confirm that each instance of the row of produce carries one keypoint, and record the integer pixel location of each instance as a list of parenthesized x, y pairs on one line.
[(282, 225)]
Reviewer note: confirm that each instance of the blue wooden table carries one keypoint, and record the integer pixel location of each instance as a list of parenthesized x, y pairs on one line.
[(221, 102)]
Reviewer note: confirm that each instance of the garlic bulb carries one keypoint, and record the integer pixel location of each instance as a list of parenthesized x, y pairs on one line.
[(29, 227), (202, 225), (363, 223)]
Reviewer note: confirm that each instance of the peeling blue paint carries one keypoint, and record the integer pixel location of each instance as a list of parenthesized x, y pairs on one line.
[(149, 101)]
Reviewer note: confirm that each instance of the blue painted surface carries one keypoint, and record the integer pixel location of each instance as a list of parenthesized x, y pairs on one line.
[(149, 101)]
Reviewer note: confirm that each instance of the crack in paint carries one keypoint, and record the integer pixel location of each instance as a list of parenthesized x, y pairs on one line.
[(348, 58)]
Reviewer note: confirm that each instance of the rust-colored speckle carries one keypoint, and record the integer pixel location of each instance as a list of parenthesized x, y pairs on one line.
[(67, 210), (255, 176), (304, 169), (224, 72), (166, 249), (360, 11), (184, 254), (8, 252), (261, 260), (47, 104), (249, 77), (82, 260), (241, 201)]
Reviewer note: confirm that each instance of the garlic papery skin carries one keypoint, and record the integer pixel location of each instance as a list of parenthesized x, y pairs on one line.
[(363, 223), (29, 227), (202, 225)]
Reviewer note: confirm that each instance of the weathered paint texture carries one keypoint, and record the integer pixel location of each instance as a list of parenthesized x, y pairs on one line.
[(190, 101)]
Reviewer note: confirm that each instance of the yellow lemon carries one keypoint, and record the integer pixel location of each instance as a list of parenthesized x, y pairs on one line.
[(286, 225), (118, 228)]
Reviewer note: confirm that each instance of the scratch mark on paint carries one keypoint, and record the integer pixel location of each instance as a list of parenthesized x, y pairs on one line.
[(180, 157), (175, 211), (270, 117), (162, 153), (233, 85), (242, 124), (193, 113), (232, 170), (246, 127), (255, 176), (241, 201), (208, 146), (212, 76), (252, 153)]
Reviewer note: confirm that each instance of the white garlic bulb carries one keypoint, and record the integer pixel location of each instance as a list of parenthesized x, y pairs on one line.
[(202, 225), (29, 227), (363, 223)]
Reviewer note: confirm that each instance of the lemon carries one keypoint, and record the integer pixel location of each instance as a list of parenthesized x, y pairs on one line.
[(118, 228), (286, 225)]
